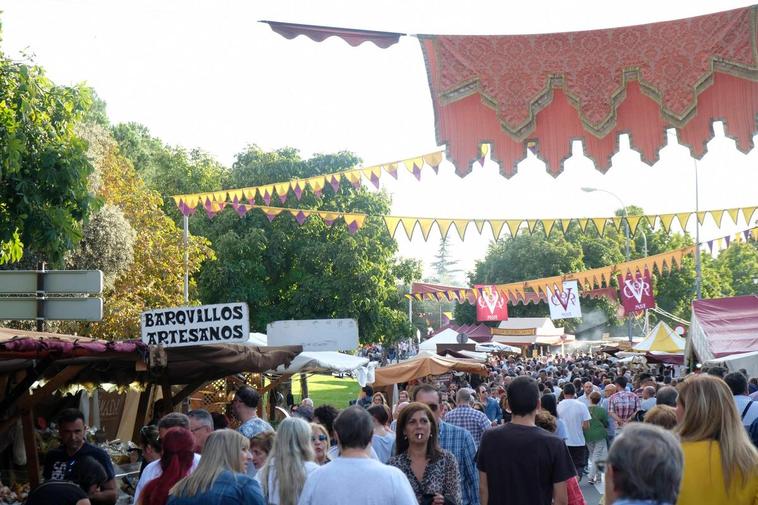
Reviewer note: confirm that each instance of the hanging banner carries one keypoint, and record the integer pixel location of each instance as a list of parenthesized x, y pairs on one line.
[(636, 292), (564, 302), (490, 305)]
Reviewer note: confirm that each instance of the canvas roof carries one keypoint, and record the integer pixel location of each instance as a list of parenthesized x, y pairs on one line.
[(446, 336), (322, 361), (544, 325), (723, 327), (661, 339), (422, 365)]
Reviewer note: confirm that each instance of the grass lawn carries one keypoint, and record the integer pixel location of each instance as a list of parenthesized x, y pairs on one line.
[(327, 389)]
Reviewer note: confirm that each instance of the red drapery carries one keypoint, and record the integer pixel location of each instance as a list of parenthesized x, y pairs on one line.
[(543, 91)]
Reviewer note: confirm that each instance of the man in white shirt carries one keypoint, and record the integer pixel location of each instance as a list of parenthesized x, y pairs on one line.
[(576, 416), (371, 482), (746, 407), (154, 469), (587, 388)]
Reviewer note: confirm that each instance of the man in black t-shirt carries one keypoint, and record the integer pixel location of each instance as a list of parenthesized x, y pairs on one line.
[(60, 463), (519, 463)]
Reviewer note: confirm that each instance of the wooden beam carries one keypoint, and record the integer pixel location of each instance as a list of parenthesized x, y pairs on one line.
[(139, 420), (30, 445), (22, 388), (168, 406), (186, 391)]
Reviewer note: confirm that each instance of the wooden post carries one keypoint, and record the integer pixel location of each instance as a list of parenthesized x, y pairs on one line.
[(140, 419), (186, 391), (168, 406), (303, 386), (30, 444)]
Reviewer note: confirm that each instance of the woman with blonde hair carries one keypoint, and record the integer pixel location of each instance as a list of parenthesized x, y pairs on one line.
[(720, 462), (378, 399), (220, 475), (290, 462), (321, 443)]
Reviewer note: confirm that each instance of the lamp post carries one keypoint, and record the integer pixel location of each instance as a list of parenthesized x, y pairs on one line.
[(626, 234)]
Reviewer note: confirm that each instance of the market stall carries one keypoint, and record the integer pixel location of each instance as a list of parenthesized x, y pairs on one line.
[(722, 327), (662, 345), (34, 365), (425, 364)]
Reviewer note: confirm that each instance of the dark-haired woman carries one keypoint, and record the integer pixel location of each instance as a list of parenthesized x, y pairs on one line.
[(549, 403), (176, 462), (432, 471)]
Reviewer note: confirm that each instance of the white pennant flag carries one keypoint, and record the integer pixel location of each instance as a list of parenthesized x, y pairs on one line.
[(564, 303)]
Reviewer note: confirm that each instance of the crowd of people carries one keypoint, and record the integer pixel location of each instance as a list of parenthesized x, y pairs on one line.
[(526, 434)]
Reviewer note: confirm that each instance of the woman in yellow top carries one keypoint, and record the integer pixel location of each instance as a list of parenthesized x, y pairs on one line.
[(720, 462)]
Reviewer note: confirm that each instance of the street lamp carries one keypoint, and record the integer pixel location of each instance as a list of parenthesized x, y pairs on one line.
[(626, 234)]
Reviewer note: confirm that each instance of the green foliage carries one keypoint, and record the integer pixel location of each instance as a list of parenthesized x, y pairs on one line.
[(107, 245), (287, 271), (43, 164), (739, 266), (168, 170)]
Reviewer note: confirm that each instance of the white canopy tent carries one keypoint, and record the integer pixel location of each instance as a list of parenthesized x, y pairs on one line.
[(446, 336), (734, 362)]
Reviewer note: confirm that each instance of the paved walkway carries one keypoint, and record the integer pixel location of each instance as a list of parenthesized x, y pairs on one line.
[(591, 493)]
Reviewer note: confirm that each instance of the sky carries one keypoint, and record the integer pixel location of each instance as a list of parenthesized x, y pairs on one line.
[(207, 74)]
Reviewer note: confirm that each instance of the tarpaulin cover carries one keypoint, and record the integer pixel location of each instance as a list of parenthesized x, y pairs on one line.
[(543, 91), (723, 327), (424, 365), (321, 33), (322, 361)]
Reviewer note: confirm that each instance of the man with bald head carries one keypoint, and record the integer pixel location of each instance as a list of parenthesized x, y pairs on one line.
[(466, 417)]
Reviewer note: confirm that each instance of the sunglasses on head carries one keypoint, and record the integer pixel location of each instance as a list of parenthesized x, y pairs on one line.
[(320, 438)]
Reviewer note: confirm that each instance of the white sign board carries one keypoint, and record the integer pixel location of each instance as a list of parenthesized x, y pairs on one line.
[(315, 334), (227, 323), (564, 301)]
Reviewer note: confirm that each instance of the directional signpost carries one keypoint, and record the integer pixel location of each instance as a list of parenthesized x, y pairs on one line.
[(24, 294)]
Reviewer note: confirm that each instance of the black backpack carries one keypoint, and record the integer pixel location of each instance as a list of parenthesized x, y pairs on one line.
[(752, 429)]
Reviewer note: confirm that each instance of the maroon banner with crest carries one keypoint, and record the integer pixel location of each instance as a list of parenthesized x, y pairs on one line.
[(636, 292), (490, 304)]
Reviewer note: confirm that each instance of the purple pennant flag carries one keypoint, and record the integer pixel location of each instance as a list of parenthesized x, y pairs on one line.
[(335, 182), (392, 170), (352, 227), (436, 169), (298, 191), (417, 172), (271, 216), (747, 235), (235, 203), (184, 208), (728, 239), (300, 217), (710, 245), (241, 209), (283, 197), (267, 198), (375, 180), (318, 193), (356, 183), (329, 222)]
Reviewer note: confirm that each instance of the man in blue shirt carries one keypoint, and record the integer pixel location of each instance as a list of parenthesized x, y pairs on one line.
[(456, 440), (491, 406)]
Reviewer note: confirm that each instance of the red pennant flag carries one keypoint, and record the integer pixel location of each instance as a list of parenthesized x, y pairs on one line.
[(490, 305), (636, 292)]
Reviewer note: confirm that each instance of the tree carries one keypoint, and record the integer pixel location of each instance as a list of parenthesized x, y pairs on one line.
[(287, 271), (168, 170), (739, 265), (155, 276), (444, 268), (44, 168)]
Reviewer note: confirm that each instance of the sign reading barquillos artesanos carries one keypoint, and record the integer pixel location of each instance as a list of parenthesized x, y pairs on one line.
[(205, 324)]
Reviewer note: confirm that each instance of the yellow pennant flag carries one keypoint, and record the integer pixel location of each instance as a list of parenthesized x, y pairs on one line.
[(408, 224), (433, 159), (666, 220), (583, 223), (747, 213), (426, 226), (616, 222), (282, 189), (565, 223), (219, 196), (316, 183), (531, 224), (717, 216), (479, 223), (237, 193), (634, 222), (700, 216), (358, 219), (444, 226), (513, 226), (683, 218), (733, 213), (754, 234), (497, 227), (599, 223), (547, 225), (391, 222), (460, 227)]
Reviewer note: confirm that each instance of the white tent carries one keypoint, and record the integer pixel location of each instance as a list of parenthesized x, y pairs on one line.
[(496, 347), (733, 363), (661, 340), (446, 336), (323, 361)]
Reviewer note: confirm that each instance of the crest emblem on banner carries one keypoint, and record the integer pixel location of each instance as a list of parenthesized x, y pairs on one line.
[(564, 301), (490, 304), (636, 292)]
